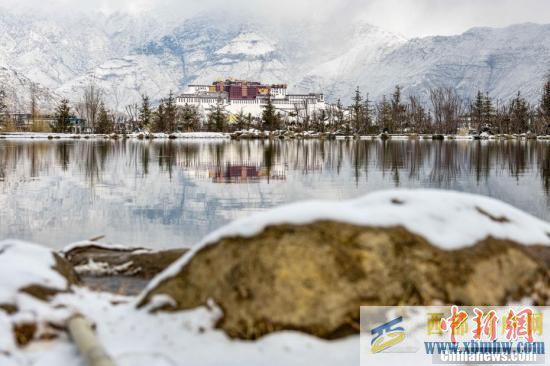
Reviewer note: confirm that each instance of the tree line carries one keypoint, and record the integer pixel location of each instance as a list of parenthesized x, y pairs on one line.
[(444, 113)]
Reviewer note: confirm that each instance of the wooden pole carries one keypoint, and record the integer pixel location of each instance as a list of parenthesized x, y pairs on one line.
[(87, 342)]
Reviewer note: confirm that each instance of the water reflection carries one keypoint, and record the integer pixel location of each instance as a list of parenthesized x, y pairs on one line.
[(171, 193)]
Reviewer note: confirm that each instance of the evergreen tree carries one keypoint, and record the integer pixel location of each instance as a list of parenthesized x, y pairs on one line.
[(385, 115), (269, 119), (104, 121), (476, 113), (170, 113), (368, 111), (544, 109), (62, 116), (339, 115), (397, 111), (249, 121), (145, 112), (240, 121), (217, 118), (321, 120), (489, 112), (519, 114), (160, 119), (357, 108), (187, 118), (545, 101)]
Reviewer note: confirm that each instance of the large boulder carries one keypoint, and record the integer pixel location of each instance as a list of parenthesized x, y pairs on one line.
[(310, 266)]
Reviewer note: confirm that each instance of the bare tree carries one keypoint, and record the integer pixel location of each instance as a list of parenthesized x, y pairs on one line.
[(448, 109), (36, 125), (92, 99), (132, 111), (11, 110), (116, 95), (417, 115)]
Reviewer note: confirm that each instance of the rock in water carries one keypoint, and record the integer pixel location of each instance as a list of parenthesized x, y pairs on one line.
[(118, 269), (98, 259), (313, 274)]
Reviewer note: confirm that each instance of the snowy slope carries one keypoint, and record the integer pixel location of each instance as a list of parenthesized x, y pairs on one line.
[(249, 55), (123, 80), (17, 88), (340, 75), (52, 51), (498, 61)]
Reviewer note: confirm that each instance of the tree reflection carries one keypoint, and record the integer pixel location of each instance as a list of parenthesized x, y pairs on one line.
[(399, 163), (543, 159), (63, 150)]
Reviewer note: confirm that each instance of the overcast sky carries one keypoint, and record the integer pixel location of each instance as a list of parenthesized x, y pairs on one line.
[(408, 17)]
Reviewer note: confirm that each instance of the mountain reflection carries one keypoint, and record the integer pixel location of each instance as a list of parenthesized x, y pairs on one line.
[(170, 193)]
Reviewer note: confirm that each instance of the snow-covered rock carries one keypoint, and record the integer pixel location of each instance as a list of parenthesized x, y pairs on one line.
[(30, 277), (33, 270), (311, 265)]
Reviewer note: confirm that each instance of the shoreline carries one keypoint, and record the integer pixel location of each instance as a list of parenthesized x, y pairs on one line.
[(259, 135)]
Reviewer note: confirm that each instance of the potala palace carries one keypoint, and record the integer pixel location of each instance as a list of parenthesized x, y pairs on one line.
[(250, 98)]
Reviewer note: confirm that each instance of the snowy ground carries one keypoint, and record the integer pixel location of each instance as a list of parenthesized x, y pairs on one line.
[(136, 338)]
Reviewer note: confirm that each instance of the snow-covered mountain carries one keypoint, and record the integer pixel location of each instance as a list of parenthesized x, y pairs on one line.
[(195, 52), (18, 88), (249, 55), (53, 51), (340, 75), (132, 55), (498, 61)]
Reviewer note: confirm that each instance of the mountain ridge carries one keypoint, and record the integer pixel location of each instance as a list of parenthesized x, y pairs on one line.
[(128, 57)]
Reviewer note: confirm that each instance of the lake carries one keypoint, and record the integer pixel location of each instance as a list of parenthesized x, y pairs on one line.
[(165, 194)]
